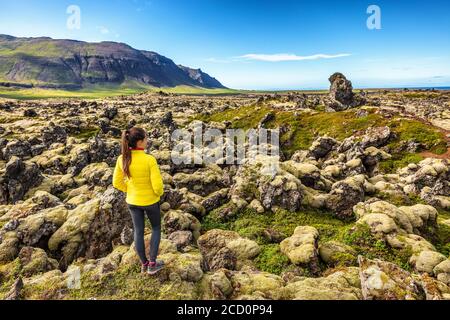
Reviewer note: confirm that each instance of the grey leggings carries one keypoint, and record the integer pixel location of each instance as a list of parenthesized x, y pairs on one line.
[(154, 215)]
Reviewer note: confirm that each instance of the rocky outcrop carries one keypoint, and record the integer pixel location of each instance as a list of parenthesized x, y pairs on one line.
[(301, 247), (17, 178), (91, 228), (386, 281), (225, 249), (341, 93)]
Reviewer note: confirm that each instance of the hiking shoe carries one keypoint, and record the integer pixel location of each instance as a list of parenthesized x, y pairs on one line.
[(144, 267), (154, 267)]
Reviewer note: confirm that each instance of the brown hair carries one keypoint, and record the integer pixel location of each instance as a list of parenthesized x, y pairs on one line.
[(130, 139)]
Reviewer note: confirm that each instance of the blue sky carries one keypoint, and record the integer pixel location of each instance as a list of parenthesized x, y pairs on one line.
[(263, 44)]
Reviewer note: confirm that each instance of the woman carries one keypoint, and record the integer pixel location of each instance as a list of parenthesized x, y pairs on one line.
[(137, 174)]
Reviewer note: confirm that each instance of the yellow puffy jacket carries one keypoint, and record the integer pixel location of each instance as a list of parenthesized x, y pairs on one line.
[(145, 187)]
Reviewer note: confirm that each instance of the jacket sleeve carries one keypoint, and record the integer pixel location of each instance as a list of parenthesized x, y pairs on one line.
[(118, 177), (155, 177)]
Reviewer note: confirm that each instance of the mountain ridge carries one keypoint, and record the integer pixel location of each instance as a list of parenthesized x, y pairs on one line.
[(72, 64)]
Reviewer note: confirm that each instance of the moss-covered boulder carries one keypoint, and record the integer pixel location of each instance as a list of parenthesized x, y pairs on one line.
[(335, 253), (36, 229), (91, 228), (301, 247), (442, 271), (97, 174), (39, 201), (248, 284), (382, 280), (177, 220), (426, 260), (224, 249), (340, 285), (35, 261), (216, 286), (9, 247)]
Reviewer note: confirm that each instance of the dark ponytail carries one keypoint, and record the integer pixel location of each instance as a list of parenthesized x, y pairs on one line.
[(130, 139)]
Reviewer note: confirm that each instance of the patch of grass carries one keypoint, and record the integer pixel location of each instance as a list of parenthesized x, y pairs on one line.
[(442, 238), (101, 91), (87, 133), (8, 274), (252, 225), (127, 283), (406, 130), (301, 130), (398, 161), (429, 137), (246, 117), (124, 283), (271, 259), (421, 95), (190, 90), (361, 239), (307, 127), (92, 92)]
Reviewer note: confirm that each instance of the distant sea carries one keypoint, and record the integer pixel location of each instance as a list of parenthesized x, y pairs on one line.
[(425, 88), (357, 88)]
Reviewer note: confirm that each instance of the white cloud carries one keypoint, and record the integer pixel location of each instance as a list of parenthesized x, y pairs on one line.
[(280, 57), (214, 60), (103, 30)]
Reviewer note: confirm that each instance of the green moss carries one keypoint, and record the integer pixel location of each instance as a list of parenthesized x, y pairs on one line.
[(271, 259), (399, 160), (87, 133), (8, 274), (128, 283), (344, 259), (361, 239), (253, 225), (302, 129), (431, 138), (442, 242), (125, 283), (244, 117)]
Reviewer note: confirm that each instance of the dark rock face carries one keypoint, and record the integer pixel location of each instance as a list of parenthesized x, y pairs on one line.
[(343, 196), (267, 118), (106, 62), (181, 238), (341, 89), (215, 200), (167, 121), (276, 196), (30, 113), (99, 151), (18, 148), (110, 113), (376, 137), (54, 133), (322, 146), (108, 225), (341, 93), (212, 245), (16, 289), (19, 177)]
